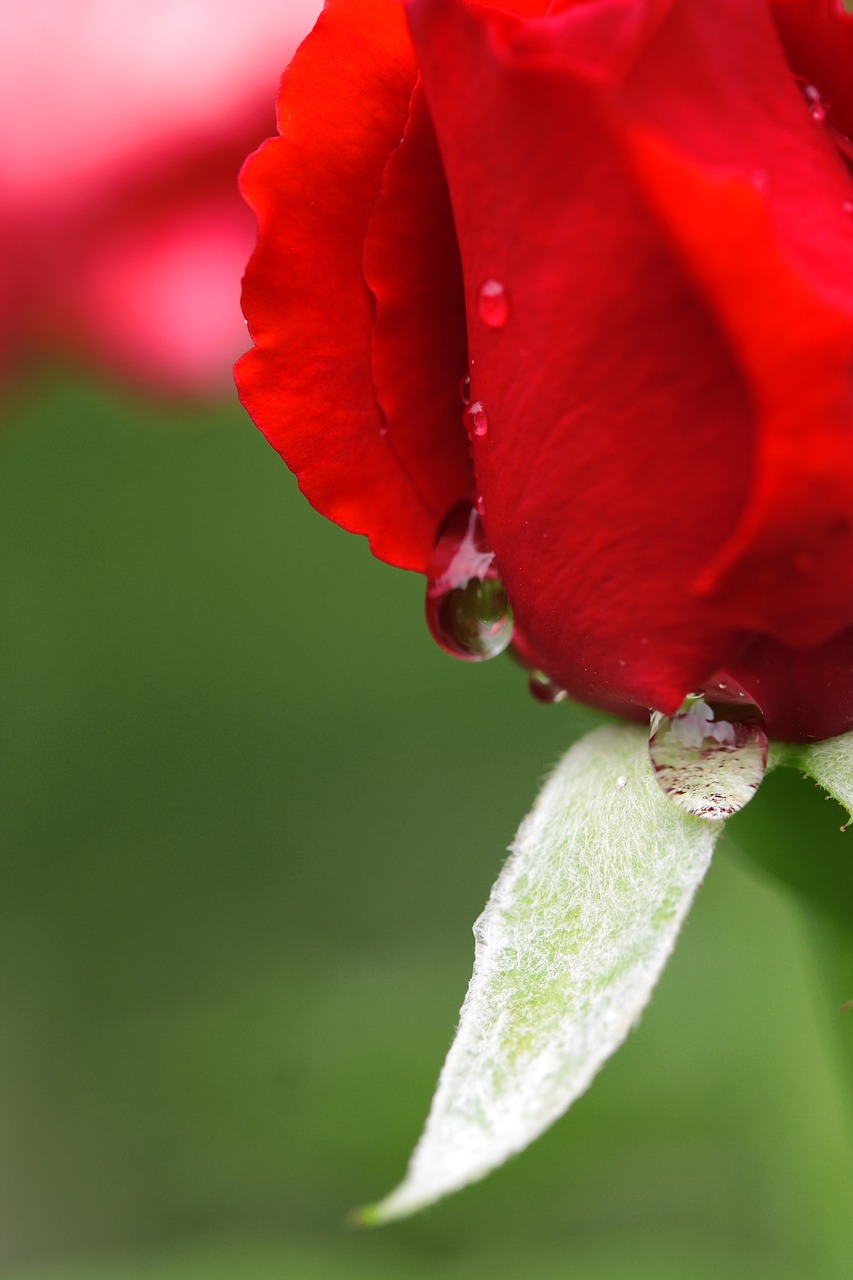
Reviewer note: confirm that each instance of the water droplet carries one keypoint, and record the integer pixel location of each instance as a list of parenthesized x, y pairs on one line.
[(465, 389), (621, 781), (480, 505), (467, 610), (817, 107), (476, 422), (493, 304), (544, 689), (711, 756)]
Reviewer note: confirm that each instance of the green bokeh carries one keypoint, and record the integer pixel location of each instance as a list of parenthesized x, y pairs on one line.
[(249, 816)]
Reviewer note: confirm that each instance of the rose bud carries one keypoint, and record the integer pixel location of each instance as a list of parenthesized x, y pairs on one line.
[(554, 303), (632, 225)]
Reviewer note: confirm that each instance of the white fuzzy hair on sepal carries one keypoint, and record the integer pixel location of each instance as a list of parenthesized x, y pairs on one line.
[(568, 950)]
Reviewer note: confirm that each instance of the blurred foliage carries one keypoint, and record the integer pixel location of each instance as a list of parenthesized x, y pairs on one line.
[(249, 816)]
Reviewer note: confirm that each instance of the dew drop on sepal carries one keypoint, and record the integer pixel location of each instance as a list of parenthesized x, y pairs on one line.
[(467, 610), (493, 304), (710, 757)]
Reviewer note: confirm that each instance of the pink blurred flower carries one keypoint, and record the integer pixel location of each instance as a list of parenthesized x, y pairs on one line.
[(123, 125)]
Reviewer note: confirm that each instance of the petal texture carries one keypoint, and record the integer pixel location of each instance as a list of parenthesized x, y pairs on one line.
[(806, 694), (329, 195), (818, 39), (419, 341), (620, 440), (669, 463), (753, 194)]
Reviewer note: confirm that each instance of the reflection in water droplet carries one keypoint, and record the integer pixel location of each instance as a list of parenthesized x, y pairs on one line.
[(817, 106), (493, 304), (467, 610), (476, 422), (711, 756), (544, 689), (465, 389)]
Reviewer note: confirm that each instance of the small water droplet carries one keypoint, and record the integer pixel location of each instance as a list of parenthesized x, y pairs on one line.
[(544, 689), (493, 304), (621, 781), (467, 610), (711, 756), (465, 389), (476, 422), (817, 107), (480, 505)]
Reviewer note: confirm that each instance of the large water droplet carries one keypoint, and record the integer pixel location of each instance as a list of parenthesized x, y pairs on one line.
[(467, 610), (476, 422), (711, 756), (493, 304)]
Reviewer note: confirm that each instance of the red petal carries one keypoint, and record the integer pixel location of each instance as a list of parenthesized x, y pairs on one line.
[(420, 344), (619, 448), (818, 39), (806, 695), (308, 385), (754, 199), (705, 311)]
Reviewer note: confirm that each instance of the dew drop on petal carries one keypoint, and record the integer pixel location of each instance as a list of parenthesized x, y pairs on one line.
[(476, 422), (816, 105), (480, 505), (710, 757), (493, 304), (467, 610), (465, 389), (544, 689)]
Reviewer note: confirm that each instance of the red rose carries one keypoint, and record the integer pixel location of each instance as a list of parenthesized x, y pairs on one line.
[(651, 209)]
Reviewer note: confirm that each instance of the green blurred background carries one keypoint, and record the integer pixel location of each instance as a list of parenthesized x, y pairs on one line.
[(250, 813)]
